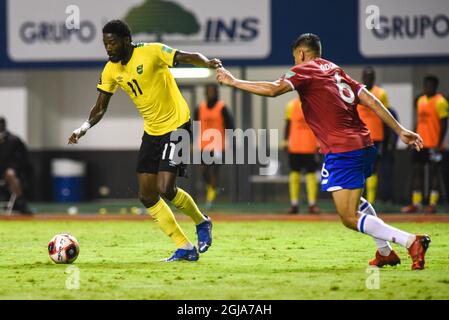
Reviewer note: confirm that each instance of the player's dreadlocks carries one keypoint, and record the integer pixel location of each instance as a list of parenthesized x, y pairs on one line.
[(117, 27)]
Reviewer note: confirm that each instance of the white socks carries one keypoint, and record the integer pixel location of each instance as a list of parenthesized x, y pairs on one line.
[(376, 228), (383, 246)]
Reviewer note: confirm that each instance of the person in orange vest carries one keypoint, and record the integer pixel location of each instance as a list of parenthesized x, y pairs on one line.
[(432, 113), (302, 148), (212, 114), (375, 126)]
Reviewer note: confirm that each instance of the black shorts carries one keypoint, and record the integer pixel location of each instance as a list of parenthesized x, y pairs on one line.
[(422, 157), (160, 153), (299, 161)]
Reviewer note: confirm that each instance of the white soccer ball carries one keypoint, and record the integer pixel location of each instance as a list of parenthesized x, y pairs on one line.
[(72, 211), (63, 248)]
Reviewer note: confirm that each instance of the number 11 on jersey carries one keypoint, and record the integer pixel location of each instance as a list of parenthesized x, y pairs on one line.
[(137, 86)]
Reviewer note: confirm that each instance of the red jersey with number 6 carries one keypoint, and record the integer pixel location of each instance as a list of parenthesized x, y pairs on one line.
[(329, 99)]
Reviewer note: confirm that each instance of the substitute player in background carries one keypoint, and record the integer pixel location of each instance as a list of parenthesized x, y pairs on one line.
[(375, 126), (432, 113), (329, 99), (212, 114), (302, 150), (142, 71), (15, 168)]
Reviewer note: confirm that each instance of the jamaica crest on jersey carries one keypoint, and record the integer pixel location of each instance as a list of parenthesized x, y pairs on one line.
[(139, 69)]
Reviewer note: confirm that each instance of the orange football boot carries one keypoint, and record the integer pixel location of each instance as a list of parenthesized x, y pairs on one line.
[(313, 209), (417, 251), (379, 261), (411, 208), (430, 209)]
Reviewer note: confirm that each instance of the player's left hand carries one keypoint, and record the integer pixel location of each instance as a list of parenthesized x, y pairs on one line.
[(214, 64), (411, 139), (76, 135), (224, 76)]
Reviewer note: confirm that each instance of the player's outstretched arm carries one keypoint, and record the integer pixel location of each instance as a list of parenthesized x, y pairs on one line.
[(197, 59), (96, 113), (408, 137), (262, 88)]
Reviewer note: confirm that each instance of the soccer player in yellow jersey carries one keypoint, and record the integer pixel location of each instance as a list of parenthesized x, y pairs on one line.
[(142, 71)]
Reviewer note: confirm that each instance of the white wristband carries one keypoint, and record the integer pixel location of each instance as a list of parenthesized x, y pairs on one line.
[(84, 127)]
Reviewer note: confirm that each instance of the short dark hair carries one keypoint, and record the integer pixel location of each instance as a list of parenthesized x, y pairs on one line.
[(212, 85), (369, 69), (433, 79), (308, 40), (117, 27)]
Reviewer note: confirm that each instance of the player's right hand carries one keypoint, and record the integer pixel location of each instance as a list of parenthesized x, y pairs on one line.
[(76, 135), (412, 139)]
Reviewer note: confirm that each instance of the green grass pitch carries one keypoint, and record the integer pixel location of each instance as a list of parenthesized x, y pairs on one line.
[(248, 260)]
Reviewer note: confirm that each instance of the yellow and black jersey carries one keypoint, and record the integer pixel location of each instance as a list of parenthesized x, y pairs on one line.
[(146, 78)]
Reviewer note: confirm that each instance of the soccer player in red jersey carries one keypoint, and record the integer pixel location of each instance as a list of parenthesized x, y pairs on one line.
[(329, 98)]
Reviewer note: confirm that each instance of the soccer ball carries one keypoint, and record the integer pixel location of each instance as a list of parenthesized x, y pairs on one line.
[(63, 248)]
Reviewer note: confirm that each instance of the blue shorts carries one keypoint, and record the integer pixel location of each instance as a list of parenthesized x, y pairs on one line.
[(347, 170)]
